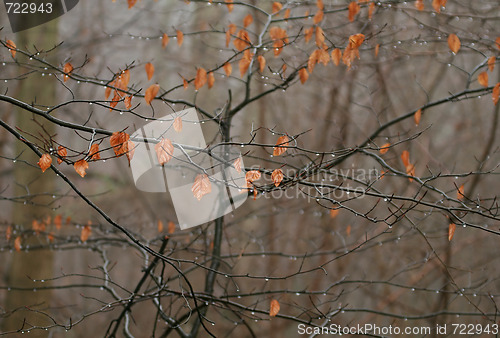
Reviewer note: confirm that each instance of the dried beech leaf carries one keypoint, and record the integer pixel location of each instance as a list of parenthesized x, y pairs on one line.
[(171, 227), (495, 95), (334, 213), (276, 7), (68, 68), (44, 162), (200, 79), (17, 243), (94, 152), (405, 157), (80, 167), (247, 20), (164, 151), (12, 47), (164, 40), (62, 152), (237, 164), (252, 175), (151, 93), (483, 79), (454, 43), (277, 176), (228, 69), (385, 148), (180, 38), (354, 9), (281, 145), (274, 308), (201, 186), (86, 232), (150, 70), (303, 75), (210, 80), (336, 56), (119, 142), (160, 226), (491, 63), (262, 63), (417, 116), (178, 124)]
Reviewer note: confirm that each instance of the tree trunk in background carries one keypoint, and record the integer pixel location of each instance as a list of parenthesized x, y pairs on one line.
[(37, 264)]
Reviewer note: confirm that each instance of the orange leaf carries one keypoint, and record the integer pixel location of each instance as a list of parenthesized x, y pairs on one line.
[(231, 29), (8, 233), (124, 79), (228, 68), (131, 3), (308, 33), (247, 21), (201, 186), (185, 83), (451, 231), (201, 78), (320, 5), (384, 148), (210, 80), (245, 62), (277, 176), (160, 226), (371, 9), (437, 4), (353, 10), (320, 37), (336, 56), (405, 157), (62, 152), (68, 68), (318, 17), (417, 116), (277, 7), (252, 175), (230, 5), (460, 192), (352, 50), (281, 145), (303, 75), (178, 124), (262, 63), (58, 221), (44, 162), (348, 230), (114, 101), (454, 43), (483, 79), (86, 232), (130, 150), (491, 63), (94, 152), (128, 102), (287, 14), (17, 244), (151, 93), (237, 164), (171, 227), (80, 167), (150, 70), (274, 308), (377, 47), (410, 171), (180, 37), (497, 42), (164, 40), (242, 40), (495, 95), (334, 213), (119, 142), (12, 47), (419, 4), (164, 151)]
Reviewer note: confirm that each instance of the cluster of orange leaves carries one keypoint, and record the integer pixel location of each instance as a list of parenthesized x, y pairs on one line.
[(40, 226)]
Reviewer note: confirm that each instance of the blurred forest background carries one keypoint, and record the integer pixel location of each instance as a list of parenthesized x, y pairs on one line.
[(348, 237)]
